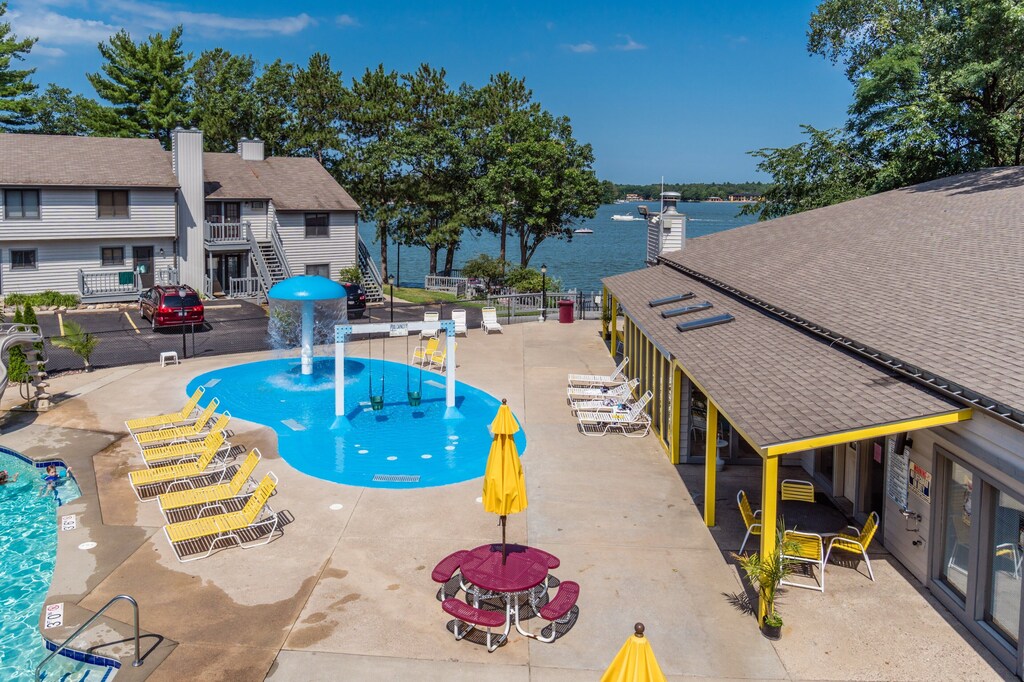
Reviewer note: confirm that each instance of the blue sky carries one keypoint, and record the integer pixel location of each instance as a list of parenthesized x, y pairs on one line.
[(676, 89)]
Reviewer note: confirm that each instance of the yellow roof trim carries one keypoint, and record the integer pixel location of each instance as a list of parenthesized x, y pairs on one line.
[(865, 433)]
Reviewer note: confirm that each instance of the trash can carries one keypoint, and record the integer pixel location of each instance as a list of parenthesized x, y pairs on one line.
[(565, 312)]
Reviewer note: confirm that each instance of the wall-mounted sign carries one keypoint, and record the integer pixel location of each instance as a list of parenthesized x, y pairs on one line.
[(920, 483), (896, 473)]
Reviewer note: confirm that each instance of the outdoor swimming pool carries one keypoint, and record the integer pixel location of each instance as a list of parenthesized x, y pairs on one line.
[(28, 550), (400, 446)]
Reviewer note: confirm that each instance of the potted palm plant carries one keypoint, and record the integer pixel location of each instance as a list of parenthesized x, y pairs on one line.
[(765, 574)]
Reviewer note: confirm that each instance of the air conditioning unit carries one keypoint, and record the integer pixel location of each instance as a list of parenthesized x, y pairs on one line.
[(257, 204)]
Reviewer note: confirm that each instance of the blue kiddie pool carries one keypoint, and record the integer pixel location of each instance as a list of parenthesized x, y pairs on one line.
[(399, 446)]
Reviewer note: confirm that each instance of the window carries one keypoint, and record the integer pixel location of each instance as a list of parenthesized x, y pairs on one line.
[(1002, 606), (21, 204), (113, 203), (112, 255), (322, 269), (956, 530), (24, 259), (316, 225)]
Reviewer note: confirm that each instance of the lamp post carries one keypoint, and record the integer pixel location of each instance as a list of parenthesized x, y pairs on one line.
[(544, 292), (391, 287)]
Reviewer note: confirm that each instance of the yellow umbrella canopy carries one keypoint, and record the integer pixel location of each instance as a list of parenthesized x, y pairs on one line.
[(635, 661), (504, 482)]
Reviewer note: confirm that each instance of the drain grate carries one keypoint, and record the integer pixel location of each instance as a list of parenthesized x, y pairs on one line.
[(395, 478)]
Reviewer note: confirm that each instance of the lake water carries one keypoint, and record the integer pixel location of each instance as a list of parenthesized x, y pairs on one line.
[(613, 248)]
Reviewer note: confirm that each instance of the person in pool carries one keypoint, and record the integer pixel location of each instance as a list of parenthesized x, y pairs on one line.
[(52, 479), (5, 478)]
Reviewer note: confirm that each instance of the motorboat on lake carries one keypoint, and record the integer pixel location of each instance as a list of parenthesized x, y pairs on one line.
[(583, 230), (626, 217)]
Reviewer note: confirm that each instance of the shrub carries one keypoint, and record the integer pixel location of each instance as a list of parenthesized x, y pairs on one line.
[(77, 341), (351, 274), (49, 297), (529, 280), (490, 270), (17, 365)]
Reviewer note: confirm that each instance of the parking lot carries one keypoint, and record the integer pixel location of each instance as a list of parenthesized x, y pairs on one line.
[(232, 326)]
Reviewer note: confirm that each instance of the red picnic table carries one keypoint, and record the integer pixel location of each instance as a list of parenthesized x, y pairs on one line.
[(524, 569)]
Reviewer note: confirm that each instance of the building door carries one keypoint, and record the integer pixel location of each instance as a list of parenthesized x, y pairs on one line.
[(143, 257), (232, 212), (871, 486)]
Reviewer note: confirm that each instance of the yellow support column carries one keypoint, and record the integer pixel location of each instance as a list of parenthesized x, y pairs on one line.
[(604, 309), (710, 472), (615, 326), (769, 515), (674, 425)]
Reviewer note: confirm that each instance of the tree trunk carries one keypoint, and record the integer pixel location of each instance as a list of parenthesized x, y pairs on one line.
[(449, 259), (504, 234), (524, 238), (433, 259), (383, 255)]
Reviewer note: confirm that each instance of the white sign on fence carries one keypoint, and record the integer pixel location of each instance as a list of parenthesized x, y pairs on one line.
[(68, 522), (897, 472), (399, 329), (54, 617)]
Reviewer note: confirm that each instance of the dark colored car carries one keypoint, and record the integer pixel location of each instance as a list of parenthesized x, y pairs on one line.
[(356, 299), (171, 306)]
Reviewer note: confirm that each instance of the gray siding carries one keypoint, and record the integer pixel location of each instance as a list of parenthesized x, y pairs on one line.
[(338, 251), (70, 213), (59, 262), (257, 219)]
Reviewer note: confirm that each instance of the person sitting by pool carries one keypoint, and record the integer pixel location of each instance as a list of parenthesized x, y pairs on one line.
[(52, 479), (5, 478)]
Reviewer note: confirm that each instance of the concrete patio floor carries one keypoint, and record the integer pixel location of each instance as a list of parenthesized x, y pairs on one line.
[(347, 594)]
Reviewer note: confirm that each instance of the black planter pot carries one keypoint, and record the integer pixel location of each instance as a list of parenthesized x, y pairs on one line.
[(772, 632)]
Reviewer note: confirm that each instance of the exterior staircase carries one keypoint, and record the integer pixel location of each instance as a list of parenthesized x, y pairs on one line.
[(372, 281), (275, 267), (268, 260)]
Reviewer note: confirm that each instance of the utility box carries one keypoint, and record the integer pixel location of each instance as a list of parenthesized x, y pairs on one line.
[(565, 311)]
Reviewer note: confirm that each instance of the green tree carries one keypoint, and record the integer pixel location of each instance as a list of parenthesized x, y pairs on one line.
[(275, 108), (58, 111), (527, 279), (223, 102), (78, 341), (319, 98), (17, 364), (490, 270), (371, 165), (15, 86), (145, 83)]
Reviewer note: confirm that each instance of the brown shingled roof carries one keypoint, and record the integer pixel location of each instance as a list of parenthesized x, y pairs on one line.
[(775, 383), (294, 183), (227, 176), (68, 161), (931, 274)]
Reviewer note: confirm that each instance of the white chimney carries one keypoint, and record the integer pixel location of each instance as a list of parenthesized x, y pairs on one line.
[(187, 160), (666, 231), (250, 150)]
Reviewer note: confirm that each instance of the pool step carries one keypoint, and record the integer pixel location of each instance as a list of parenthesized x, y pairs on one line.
[(395, 478), (63, 669), (435, 384), (293, 425)]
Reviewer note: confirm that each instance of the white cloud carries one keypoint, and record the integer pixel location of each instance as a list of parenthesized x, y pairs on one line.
[(346, 20), (56, 29), (629, 45), (582, 48), (157, 17), (52, 52)]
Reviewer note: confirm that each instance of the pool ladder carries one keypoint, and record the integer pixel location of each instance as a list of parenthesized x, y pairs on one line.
[(135, 608)]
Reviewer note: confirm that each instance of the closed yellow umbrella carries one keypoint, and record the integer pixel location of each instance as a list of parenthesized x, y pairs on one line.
[(635, 661), (504, 483)]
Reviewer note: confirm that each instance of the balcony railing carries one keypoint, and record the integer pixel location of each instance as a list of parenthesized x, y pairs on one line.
[(244, 287), (225, 233), (109, 286)]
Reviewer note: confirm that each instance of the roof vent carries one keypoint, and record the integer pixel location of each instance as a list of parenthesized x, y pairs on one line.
[(703, 305), (670, 299), (704, 322)]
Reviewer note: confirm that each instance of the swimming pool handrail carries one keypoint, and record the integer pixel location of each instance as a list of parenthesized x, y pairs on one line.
[(135, 607)]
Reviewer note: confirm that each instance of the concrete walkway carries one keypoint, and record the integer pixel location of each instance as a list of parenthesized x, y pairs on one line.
[(346, 594)]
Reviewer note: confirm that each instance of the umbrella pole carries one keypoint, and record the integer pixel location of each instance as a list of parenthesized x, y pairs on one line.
[(504, 549)]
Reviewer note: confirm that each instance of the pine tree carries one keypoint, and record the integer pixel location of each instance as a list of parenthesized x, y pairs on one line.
[(274, 91), (223, 101), (58, 111), (146, 83), (319, 96), (15, 87)]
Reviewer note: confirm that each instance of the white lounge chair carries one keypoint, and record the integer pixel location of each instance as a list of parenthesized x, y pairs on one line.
[(618, 404), (623, 390), (429, 333), (634, 423), (598, 380), (459, 318), (490, 321)]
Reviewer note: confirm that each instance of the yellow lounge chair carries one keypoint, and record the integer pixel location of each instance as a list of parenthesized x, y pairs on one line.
[(175, 474), (197, 428), (162, 455), (212, 495), (440, 358), (233, 525), (422, 354), (183, 416)]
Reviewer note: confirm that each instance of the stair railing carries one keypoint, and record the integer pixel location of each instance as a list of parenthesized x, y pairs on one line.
[(368, 268), (135, 609), (275, 241), (256, 256)]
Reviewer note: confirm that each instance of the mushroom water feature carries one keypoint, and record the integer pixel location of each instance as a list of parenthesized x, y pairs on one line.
[(308, 292)]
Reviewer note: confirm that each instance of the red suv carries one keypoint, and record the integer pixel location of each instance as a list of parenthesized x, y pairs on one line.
[(171, 306)]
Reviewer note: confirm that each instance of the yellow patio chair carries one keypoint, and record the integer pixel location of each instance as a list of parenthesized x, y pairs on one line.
[(808, 548), (214, 440), (422, 354), (858, 543), (240, 526), (177, 474), (751, 518), (794, 489), (183, 416), (197, 428), (440, 358), (210, 495)]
